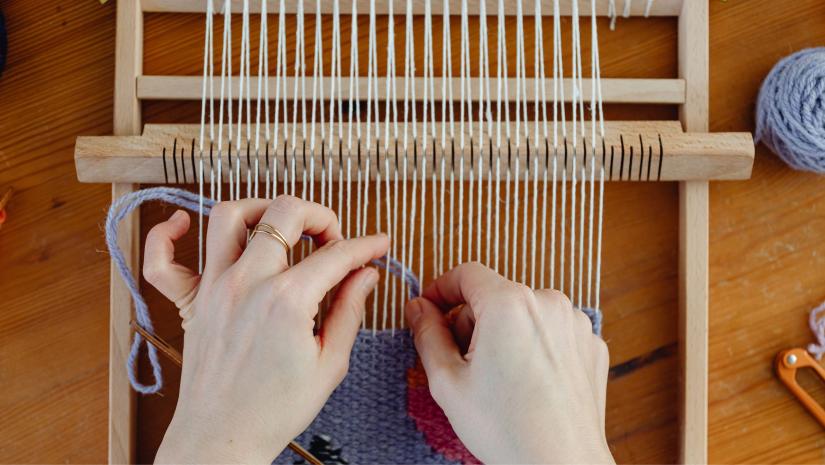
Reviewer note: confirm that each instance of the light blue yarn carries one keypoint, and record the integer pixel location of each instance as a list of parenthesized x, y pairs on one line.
[(790, 112), (128, 203), (122, 207), (595, 316)]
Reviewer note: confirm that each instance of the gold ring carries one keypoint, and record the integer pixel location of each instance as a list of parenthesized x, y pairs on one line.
[(271, 231)]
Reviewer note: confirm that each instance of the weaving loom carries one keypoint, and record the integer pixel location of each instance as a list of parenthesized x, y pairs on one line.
[(480, 161)]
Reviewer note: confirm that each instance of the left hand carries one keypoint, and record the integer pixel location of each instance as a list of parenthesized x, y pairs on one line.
[(254, 373)]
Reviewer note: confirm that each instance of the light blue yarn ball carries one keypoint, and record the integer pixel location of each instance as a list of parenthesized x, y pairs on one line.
[(790, 112)]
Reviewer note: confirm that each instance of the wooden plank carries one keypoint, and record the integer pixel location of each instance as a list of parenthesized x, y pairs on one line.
[(637, 8), (614, 90), (631, 152), (694, 214), (127, 120)]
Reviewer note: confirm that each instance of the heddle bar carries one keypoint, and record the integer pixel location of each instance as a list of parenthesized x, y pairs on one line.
[(614, 90)]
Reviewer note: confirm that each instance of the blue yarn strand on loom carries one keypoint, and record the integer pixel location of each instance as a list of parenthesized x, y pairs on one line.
[(790, 112), (128, 203)]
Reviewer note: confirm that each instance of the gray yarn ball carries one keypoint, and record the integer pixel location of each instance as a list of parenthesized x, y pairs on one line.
[(790, 113)]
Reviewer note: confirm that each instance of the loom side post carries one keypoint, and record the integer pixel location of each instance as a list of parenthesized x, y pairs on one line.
[(694, 213), (127, 121)]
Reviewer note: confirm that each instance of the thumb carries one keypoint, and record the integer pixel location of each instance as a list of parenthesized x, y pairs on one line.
[(341, 325), (433, 340), (175, 281)]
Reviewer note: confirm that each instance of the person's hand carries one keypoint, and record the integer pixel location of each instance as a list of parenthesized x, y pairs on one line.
[(518, 372), (254, 374)]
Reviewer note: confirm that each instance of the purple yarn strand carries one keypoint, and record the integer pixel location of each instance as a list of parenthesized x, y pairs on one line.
[(119, 210), (595, 316)]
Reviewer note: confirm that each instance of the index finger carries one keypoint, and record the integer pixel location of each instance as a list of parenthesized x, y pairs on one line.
[(326, 267), (468, 283)]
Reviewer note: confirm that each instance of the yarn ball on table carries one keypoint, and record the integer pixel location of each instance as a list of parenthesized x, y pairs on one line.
[(790, 112)]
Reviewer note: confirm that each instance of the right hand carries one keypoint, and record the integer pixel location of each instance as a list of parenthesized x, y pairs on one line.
[(518, 373)]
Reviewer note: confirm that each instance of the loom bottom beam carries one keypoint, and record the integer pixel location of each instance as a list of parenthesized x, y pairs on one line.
[(630, 151)]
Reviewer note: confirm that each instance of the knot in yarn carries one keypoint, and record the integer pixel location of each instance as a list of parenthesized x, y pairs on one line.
[(790, 116)]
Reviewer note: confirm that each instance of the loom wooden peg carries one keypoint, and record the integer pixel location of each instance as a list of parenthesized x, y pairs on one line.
[(787, 363)]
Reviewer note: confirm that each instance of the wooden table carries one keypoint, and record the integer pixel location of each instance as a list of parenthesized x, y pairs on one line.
[(765, 248)]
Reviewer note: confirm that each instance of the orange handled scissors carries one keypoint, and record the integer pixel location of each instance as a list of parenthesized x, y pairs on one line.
[(787, 363)]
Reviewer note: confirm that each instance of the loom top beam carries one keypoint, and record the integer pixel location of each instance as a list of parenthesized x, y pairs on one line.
[(658, 8), (631, 152)]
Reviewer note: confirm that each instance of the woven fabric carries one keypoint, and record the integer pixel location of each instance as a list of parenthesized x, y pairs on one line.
[(431, 420), (368, 416)]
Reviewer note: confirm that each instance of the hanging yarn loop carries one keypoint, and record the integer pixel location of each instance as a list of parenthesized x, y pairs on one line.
[(121, 208), (790, 112)]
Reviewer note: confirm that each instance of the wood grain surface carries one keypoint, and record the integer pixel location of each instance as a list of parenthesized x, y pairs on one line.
[(765, 247)]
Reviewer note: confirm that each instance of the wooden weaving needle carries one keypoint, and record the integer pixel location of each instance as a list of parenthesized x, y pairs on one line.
[(177, 359), (787, 363)]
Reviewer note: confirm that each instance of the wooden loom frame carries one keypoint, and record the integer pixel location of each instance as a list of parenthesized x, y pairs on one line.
[(689, 91)]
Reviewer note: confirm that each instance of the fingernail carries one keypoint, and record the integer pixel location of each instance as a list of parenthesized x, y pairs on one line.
[(178, 215), (370, 278), (413, 312)]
